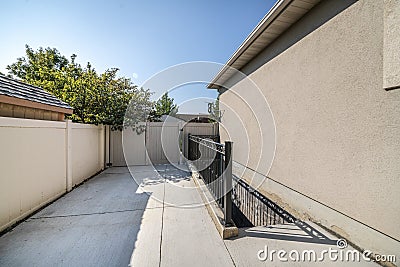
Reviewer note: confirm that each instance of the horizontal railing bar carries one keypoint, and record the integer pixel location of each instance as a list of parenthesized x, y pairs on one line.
[(218, 150), (213, 149), (200, 140)]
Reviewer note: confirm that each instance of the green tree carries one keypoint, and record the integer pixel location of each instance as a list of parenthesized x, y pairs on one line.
[(163, 106), (214, 111), (96, 98)]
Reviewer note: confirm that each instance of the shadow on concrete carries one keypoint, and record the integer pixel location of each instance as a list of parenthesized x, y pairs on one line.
[(171, 175), (298, 231), (96, 224)]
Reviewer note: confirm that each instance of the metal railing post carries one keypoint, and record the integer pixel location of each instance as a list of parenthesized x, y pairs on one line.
[(189, 155), (228, 183)]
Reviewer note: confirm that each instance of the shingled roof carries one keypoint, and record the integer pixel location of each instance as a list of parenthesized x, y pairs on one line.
[(11, 88)]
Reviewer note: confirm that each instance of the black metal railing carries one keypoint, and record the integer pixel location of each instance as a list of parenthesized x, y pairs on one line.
[(240, 202), (213, 161), (251, 208)]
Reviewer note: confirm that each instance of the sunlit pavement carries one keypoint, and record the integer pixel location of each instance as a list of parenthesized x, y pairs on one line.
[(111, 221)]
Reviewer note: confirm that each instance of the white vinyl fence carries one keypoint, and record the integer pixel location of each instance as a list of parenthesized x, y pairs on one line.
[(162, 142), (41, 160), (135, 148)]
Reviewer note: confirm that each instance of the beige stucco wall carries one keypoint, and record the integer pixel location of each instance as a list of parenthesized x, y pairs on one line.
[(34, 162), (391, 41), (337, 129)]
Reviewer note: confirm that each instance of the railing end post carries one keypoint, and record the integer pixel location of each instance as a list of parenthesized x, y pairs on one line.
[(228, 182)]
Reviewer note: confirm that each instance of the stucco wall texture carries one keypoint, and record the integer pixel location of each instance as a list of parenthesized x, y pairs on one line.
[(391, 41), (337, 129)]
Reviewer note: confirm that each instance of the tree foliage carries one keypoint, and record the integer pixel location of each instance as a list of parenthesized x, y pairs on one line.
[(98, 98), (214, 111), (163, 106)]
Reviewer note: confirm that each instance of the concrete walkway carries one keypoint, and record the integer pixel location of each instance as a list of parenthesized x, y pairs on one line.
[(111, 221)]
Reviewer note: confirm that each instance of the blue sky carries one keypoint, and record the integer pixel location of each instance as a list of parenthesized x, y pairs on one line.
[(141, 38)]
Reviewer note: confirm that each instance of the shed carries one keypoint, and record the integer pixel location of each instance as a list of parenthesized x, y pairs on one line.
[(22, 100)]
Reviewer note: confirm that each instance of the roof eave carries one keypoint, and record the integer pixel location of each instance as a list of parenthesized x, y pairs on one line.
[(274, 13), (270, 16)]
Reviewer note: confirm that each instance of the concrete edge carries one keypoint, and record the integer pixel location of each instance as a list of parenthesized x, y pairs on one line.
[(16, 221), (34, 210), (213, 210)]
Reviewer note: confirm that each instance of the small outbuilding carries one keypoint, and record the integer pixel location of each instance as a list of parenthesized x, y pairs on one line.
[(22, 100)]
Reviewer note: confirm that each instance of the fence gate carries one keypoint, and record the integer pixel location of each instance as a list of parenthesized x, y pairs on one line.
[(134, 148), (162, 142)]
